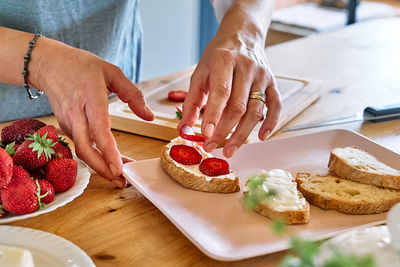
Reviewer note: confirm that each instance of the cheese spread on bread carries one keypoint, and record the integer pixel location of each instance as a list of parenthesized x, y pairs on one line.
[(194, 169), (285, 186)]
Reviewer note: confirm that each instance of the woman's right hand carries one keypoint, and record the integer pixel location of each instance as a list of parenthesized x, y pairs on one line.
[(77, 84)]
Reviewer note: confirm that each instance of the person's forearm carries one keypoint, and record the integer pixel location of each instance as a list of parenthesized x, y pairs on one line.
[(13, 47), (247, 20)]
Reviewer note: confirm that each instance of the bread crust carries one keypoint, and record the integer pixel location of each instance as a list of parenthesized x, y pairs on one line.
[(195, 182), (288, 216), (345, 206), (344, 170)]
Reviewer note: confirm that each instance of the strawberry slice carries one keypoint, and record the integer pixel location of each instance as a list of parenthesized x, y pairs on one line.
[(187, 133), (214, 167), (177, 96), (185, 155)]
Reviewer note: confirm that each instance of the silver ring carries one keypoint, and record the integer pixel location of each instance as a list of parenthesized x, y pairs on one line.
[(258, 96)]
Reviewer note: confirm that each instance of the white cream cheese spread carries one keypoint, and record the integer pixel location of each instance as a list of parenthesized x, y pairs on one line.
[(194, 169), (283, 183), (15, 257)]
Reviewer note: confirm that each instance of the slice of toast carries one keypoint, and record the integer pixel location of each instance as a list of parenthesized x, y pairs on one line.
[(330, 192), (191, 177), (288, 204), (355, 164)]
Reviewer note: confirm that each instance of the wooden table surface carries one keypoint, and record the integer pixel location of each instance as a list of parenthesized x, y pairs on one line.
[(360, 65)]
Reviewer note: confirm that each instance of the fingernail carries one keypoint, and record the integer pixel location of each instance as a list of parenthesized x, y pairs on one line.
[(113, 169), (208, 130), (231, 151), (210, 146), (265, 135), (120, 184)]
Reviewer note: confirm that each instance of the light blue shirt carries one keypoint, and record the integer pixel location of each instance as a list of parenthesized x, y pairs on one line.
[(110, 29)]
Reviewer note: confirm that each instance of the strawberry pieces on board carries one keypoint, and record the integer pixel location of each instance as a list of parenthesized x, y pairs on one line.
[(185, 155), (187, 133), (6, 168), (177, 96), (18, 130), (61, 173), (214, 167)]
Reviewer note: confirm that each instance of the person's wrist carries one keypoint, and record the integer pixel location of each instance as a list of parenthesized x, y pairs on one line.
[(39, 61), (242, 24)]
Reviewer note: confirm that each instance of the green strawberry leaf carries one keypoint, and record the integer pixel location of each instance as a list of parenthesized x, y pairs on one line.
[(63, 141), (10, 149), (42, 144), (40, 204), (178, 115)]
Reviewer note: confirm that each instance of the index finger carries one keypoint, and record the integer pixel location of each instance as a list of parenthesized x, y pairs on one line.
[(194, 99), (220, 77), (129, 93)]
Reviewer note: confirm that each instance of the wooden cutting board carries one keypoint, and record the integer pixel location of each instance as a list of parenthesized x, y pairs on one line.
[(296, 94)]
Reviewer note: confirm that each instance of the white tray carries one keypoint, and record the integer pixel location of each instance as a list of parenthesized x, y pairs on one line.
[(219, 225)]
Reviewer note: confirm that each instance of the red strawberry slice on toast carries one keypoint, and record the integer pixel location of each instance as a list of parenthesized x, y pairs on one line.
[(61, 173), (177, 96), (214, 167), (6, 168), (187, 133), (18, 130), (185, 155)]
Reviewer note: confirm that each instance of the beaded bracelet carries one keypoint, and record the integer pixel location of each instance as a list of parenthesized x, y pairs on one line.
[(25, 71)]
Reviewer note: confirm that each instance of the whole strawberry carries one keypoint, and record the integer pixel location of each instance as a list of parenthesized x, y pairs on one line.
[(51, 132), (18, 130), (34, 152), (62, 150), (46, 191), (6, 168), (3, 212), (20, 196), (61, 173)]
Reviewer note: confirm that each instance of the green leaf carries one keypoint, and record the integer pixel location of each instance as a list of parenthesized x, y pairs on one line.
[(256, 193), (40, 204), (62, 141), (350, 260), (306, 250), (178, 115), (10, 149), (278, 227)]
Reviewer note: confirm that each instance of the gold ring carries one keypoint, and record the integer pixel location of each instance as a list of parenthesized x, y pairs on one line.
[(258, 96)]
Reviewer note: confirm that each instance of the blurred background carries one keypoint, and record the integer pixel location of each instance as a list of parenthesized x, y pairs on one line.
[(176, 31)]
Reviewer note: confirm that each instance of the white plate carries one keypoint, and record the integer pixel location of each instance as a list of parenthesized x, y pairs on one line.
[(219, 225), (60, 199), (48, 250)]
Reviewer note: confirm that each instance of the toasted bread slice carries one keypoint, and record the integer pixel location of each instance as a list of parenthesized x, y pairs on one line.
[(288, 204), (355, 164), (191, 177), (330, 192)]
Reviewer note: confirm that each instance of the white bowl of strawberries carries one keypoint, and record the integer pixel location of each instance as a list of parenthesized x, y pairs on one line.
[(38, 172)]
